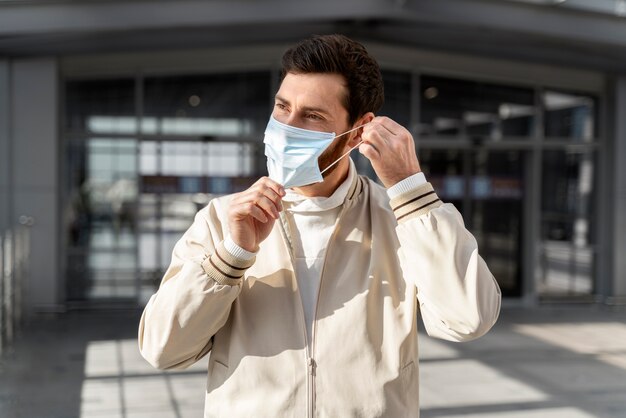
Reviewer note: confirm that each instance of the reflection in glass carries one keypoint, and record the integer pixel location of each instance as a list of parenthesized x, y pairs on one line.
[(497, 193), (128, 201), (110, 101), (397, 97), (569, 116), (444, 170), (100, 218), (125, 125), (566, 228), (233, 104), (455, 108), (490, 198)]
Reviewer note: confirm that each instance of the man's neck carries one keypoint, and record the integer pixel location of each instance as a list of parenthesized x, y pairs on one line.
[(330, 183)]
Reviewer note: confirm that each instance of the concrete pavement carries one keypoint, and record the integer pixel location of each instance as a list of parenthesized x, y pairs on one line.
[(547, 362)]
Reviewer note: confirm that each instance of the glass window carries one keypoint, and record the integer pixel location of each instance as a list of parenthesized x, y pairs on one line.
[(487, 187), (444, 170), (452, 108), (100, 106), (497, 195), (207, 105), (149, 158), (569, 116), (566, 222), (182, 158), (99, 212), (397, 97)]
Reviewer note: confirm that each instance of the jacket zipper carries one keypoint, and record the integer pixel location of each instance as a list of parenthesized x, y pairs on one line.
[(311, 394), (311, 363)]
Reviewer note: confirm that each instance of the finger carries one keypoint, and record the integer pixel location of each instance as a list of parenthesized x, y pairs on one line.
[(268, 183), (259, 193), (256, 212), (369, 151), (395, 136), (268, 206), (370, 135), (275, 198), (244, 210), (374, 136), (388, 124)]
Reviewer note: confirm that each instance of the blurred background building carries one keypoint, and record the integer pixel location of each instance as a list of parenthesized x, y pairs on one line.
[(119, 120)]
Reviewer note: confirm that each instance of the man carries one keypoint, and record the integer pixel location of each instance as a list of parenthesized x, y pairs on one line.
[(306, 287)]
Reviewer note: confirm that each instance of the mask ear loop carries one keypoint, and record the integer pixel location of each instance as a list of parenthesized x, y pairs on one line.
[(349, 151)]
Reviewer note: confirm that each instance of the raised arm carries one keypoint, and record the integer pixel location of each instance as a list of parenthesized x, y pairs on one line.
[(195, 296), (204, 277), (459, 297)]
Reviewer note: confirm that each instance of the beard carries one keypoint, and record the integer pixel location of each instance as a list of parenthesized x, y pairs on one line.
[(331, 154)]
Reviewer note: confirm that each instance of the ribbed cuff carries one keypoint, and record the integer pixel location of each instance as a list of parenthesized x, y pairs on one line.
[(417, 202), (407, 185), (225, 269), (236, 251)]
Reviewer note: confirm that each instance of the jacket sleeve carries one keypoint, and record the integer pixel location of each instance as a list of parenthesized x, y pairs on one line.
[(195, 296), (458, 296)]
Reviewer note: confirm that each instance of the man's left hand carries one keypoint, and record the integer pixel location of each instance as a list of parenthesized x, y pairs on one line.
[(391, 150)]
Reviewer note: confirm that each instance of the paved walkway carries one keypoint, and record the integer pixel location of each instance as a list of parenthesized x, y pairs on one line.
[(566, 362)]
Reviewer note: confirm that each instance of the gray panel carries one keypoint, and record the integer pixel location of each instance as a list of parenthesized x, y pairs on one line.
[(40, 289), (98, 16), (34, 101), (506, 29), (619, 243), (132, 15), (4, 145)]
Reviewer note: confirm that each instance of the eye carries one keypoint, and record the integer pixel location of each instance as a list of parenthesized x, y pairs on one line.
[(314, 116), (280, 106)]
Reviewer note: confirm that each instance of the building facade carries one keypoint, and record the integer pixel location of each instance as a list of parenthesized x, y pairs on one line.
[(119, 120)]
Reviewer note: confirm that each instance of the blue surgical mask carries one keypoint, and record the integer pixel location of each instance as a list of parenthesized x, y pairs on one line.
[(292, 153)]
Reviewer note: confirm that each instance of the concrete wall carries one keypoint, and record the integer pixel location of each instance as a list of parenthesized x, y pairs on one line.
[(34, 142)]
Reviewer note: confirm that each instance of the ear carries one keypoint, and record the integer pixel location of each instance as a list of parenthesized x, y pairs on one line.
[(355, 138)]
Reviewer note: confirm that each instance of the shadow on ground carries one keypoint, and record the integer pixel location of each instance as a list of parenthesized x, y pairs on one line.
[(87, 364), (567, 362)]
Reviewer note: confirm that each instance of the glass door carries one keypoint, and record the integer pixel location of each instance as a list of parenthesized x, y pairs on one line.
[(487, 187), (177, 179), (496, 192), (474, 140), (100, 214), (142, 156)]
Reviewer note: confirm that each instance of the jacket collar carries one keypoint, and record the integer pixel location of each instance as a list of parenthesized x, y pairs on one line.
[(356, 188)]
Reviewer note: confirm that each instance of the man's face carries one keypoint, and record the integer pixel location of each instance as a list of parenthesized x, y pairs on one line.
[(314, 101)]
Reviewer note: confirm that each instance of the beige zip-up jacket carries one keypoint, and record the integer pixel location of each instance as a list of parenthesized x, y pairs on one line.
[(385, 261)]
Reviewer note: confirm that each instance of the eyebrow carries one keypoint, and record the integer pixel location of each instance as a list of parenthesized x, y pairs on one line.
[(307, 108)]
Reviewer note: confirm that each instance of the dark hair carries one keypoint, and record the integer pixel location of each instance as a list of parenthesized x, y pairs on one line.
[(341, 55)]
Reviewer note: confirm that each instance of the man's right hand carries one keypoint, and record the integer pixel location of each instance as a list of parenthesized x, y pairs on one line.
[(252, 213)]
